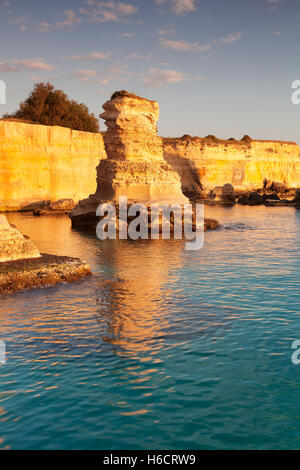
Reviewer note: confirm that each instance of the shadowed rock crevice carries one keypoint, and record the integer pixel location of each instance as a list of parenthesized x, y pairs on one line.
[(191, 185)]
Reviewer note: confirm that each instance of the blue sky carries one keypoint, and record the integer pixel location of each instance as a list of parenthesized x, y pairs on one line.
[(222, 67)]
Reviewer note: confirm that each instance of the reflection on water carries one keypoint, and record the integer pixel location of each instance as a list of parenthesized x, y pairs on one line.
[(161, 348)]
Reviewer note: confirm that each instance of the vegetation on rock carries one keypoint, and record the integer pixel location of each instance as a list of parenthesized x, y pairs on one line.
[(48, 106)]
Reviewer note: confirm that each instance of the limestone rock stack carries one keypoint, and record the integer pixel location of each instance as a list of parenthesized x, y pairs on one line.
[(135, 166), (14, 245)]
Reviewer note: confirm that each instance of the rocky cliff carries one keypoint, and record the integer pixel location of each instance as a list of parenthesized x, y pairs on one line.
[(51, 163), (204, 163), (42, 162), (135, 167)]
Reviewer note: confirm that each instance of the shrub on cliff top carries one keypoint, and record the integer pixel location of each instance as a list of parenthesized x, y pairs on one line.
[(212, 138), (51, 107), (124, 93), (246, 139), (186, 137)]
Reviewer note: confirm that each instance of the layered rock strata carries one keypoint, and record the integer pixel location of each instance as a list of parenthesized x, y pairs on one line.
[(46, 163), (43, 163), (135, 167), (206, 163)]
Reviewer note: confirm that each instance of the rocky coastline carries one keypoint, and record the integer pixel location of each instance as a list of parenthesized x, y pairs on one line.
[(46, 271), (277, 195), (22, 266), (41, 166), (134, 162)]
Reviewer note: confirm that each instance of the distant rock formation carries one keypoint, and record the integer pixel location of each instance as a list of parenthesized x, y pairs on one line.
[(246, 164), (135, 167), (14, 245)]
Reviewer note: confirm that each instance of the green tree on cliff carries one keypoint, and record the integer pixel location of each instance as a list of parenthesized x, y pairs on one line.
[(51, 107)]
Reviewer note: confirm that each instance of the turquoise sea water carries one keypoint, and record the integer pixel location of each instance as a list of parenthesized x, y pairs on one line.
[(161, 348)]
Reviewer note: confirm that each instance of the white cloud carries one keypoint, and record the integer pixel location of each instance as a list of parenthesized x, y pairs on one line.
[(108, 11), (127, 35), (5, 67), (91, 55), (70, 21), (165, 32), (157, 77), (34, 78), (14, 65), (273, 1), (18, 21), (86, 75), (276, 33), (44, 27), (184, 45), (5, 3), (179, 7), (32, 64), (232, 37), (134, 56), (97, 77)]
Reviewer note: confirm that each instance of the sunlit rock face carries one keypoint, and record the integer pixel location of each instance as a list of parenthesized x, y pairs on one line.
[(14, 245), (244, 164), (131, 128), (46, 163), (135, 167)]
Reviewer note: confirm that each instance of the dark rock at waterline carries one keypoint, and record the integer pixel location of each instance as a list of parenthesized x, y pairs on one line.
[(278, 187), (275, 186), (45, 271), (297, 197), (256, 198), (87, 221), (222, 194), (39, 205), (211, 224), (60, 207)]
